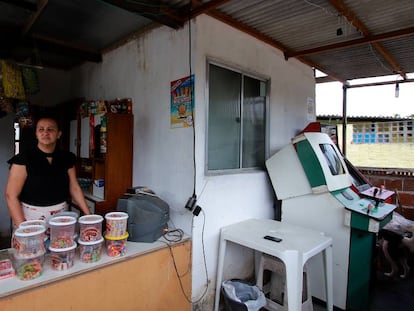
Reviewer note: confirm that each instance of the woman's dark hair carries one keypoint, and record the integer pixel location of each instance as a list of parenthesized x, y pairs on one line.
[(48, 115)]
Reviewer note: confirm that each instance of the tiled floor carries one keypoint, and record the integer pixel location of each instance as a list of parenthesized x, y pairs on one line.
[(392, 294)]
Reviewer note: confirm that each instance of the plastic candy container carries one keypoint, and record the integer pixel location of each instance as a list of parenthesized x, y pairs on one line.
[(29, 268), (38, 222), (6, 266), (28, 241), (6, 269), (116, 224), (116, 247), (62, 231), (62, 258), (90, 228), (72, 214), (90, 251)]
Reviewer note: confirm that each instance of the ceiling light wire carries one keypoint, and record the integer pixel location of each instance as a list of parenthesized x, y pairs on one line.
[(320, 7), (379, 60)]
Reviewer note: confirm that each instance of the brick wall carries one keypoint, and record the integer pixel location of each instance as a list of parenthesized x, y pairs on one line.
[(400, 181)]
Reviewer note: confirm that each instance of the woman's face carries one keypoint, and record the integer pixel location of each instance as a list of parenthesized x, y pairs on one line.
[(47, 131)]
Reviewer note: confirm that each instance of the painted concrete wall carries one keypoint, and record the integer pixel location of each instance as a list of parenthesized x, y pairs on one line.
[(163, 157), (230, 198)]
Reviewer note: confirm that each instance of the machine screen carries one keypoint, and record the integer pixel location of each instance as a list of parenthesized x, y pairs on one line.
[(332, 159)]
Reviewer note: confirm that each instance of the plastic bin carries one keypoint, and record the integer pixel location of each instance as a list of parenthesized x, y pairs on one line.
[(240, 295), (116, 247), (90, 251), (62, 231), (72, 214), (28, 268), (90, 228), (28, 241), (62, 258), (116, 224)]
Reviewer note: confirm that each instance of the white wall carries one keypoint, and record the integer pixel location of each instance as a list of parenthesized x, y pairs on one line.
[(230, 198), (163, 157)]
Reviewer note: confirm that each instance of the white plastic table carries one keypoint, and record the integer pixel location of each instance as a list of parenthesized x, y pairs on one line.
[(297, 246)]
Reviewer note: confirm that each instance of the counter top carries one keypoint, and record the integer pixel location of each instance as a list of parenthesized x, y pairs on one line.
[(14, 285), (91, 197)]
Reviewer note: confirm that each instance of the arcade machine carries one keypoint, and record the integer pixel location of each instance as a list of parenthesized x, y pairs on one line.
[(360, 183), (311, 179)]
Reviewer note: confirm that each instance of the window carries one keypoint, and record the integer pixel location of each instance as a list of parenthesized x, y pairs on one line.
[(236, 120), (332, 159)]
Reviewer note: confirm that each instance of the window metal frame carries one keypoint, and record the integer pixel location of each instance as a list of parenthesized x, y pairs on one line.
[(243, 72)]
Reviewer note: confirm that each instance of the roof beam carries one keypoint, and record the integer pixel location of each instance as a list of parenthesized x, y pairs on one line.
[(41, 4), (205, 7), (80, 52), (27, 5), (340, 6), (350, 86), (324, 79), (351, 43), (153, 10)]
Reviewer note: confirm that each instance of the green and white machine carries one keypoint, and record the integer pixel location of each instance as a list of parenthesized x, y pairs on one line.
[(311, 179)]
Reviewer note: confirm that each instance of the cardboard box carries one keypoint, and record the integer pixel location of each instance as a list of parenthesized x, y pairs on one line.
[(99, 188)]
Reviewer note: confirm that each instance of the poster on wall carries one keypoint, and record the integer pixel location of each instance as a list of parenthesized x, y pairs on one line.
[(182, 102), (310, 104)]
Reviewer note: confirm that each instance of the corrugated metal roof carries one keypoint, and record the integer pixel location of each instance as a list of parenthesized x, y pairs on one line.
[(300, 25), (347, 39)]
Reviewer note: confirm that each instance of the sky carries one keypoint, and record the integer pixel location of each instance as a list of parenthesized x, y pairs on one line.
[(373, 101)]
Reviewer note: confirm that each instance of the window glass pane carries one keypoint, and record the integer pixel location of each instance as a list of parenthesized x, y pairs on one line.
[(224, 119), (253, 134)]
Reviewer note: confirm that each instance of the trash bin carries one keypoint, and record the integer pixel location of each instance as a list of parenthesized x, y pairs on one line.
[(240, 295)]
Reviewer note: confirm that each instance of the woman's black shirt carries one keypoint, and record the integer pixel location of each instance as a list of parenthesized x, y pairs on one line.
[(46, 183)]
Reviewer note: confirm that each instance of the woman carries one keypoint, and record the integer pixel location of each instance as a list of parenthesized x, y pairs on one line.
[(41, 180)]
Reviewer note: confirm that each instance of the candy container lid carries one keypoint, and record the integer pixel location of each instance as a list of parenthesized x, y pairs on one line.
[(67, 213), (28, 231), (116, 215), (111, 238), (62, 221), (90, 219), (91, 242), (65, 249), (37, 222)]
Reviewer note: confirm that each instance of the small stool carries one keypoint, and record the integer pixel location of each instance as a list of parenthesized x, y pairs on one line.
[(275, 290)]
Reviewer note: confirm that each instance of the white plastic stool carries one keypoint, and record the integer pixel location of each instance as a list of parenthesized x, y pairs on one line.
[(276, 288)]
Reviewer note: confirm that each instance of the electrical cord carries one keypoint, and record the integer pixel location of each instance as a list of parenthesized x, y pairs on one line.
[(191, 203), (192, 93), (179, 277), (204, 256), (176, 235)]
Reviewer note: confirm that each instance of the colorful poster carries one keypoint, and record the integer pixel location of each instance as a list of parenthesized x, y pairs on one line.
[(182, 102)]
